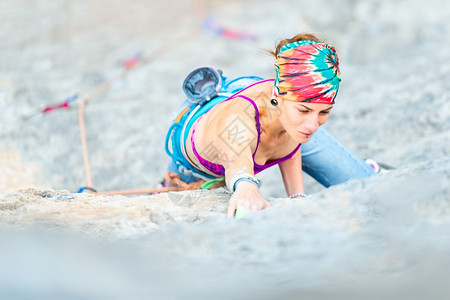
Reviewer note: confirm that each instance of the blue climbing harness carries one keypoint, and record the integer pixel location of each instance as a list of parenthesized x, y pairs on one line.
[(204, 87)]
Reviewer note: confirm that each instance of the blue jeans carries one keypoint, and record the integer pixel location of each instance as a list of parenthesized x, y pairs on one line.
[(323, 158), (329, 162)]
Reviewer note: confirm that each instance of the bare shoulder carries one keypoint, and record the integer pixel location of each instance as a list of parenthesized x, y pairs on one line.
[(237, 115), (235, 126), (237, 106), (235, 119)]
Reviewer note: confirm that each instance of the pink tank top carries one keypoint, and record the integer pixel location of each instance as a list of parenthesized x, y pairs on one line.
[(219, 169)]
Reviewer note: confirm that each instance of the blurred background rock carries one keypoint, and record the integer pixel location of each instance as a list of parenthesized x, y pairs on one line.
[(51, 50)]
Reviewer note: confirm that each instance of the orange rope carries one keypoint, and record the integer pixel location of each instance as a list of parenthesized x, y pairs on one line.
[(139, 192), (179, 186), (172, 178), (101, 89), (81, 122)]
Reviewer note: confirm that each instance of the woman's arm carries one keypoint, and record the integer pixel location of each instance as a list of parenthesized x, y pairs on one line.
[(237, 140), (291, 171)]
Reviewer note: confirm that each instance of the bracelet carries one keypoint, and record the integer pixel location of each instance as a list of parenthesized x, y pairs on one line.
[(297, 195), (243, 176), (245, 179)]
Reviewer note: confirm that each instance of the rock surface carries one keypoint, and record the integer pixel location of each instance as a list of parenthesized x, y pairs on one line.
[(382, 237)]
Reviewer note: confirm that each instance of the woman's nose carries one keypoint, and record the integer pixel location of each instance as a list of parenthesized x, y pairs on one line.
[(312, 123)]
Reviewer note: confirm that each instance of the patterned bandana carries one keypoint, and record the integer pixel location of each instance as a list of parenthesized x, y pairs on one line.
[(307, 71)]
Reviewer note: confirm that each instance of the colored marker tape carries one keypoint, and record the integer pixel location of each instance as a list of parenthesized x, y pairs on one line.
[(132, 62), (213, 26)]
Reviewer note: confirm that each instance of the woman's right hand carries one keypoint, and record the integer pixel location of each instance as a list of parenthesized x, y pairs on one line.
[(246, 196)]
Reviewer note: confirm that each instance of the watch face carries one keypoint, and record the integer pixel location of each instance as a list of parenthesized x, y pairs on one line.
[(202, 84)]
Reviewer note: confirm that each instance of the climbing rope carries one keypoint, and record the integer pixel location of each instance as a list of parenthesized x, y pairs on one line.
[(105, 86), (172, 179)]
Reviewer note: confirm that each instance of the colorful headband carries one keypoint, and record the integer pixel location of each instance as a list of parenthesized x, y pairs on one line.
[(307, 71)]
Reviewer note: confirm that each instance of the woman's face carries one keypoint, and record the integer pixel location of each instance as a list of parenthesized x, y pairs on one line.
[(301, 119)]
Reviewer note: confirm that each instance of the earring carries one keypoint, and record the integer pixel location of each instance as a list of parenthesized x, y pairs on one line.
[(274, 102)]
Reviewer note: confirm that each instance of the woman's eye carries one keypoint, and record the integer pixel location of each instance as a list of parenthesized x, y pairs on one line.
[(303, 111), (324, 112)]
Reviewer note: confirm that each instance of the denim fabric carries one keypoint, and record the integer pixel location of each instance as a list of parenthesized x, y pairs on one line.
[(323, 158), (329, 162)]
